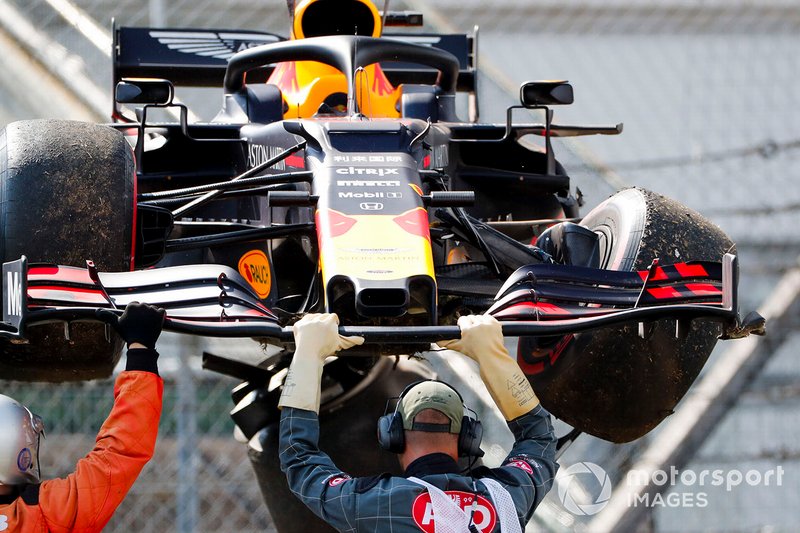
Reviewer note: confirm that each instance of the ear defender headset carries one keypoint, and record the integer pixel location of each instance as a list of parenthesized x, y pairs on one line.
[(392, 437)]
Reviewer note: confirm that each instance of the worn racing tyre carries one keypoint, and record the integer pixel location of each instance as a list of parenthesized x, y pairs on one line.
[(67, 194), (612, 383)]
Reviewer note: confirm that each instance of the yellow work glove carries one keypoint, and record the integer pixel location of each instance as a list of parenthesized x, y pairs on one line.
[(482, 340), (316, 337)]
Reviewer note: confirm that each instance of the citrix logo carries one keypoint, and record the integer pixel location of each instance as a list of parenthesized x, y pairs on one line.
[(362, 171)]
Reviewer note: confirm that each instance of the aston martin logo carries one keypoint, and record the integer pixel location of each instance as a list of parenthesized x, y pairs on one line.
[(219, 45)]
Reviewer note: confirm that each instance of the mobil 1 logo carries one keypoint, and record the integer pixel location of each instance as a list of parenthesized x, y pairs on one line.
[(372, 193)]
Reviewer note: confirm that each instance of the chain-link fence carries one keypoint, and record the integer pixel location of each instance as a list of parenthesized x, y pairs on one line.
[(199, 479), (707, 92)]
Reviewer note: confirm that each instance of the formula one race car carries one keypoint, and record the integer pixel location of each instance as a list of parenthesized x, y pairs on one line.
[(347, 183)]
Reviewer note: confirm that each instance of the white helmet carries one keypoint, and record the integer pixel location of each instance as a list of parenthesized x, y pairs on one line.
[(19, 443)]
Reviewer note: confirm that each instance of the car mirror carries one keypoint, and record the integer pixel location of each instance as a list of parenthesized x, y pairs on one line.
[(542, 93), (144, 91)]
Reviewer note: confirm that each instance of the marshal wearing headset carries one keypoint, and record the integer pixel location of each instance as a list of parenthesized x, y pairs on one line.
[(429, 429)]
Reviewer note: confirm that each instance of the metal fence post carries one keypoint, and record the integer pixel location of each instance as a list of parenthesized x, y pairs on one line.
[(157, 15), (188, 509)]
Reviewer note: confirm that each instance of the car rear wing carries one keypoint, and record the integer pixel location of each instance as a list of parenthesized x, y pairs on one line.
[(215, 301), (199, 57)]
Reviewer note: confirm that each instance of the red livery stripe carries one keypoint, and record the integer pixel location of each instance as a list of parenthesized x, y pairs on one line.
[(61, 274), (659, 275), (135, 212), (296, 161), (559, 348), (551, 309), (87, 296), (691, 271), (336, 223), (43, 271), (683, 270), (415, 222), (63, 289), (529, 368), (703, 289), (663, 293)]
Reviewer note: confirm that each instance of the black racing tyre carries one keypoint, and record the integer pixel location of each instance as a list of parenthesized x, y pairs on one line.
[(612, 383), (67, 194)]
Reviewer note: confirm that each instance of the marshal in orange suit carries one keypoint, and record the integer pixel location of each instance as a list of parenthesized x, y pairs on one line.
[(85, 500)]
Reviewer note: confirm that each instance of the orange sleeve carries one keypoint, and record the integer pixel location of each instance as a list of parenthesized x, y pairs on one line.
[(85, 500)]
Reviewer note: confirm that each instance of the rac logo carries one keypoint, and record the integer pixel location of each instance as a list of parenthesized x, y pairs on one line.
[(254, 266)]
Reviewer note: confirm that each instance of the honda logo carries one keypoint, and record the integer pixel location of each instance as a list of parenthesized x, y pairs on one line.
[(371, 206)]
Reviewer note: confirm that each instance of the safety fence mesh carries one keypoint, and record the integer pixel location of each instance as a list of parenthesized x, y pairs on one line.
[(199, 479)]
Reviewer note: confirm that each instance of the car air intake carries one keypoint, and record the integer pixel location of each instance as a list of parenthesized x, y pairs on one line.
[(382, 302)]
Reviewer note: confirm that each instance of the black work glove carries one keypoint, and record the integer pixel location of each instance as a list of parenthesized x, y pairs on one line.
[(139, 323)]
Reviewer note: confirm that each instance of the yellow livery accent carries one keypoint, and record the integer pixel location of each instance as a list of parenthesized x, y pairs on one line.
[(375, 248), (308, 84)]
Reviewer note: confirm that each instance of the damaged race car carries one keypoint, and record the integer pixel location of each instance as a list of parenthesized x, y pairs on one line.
[(338, 177)]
